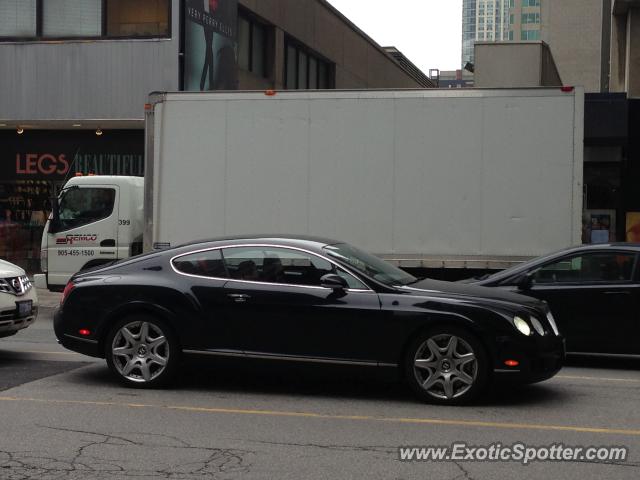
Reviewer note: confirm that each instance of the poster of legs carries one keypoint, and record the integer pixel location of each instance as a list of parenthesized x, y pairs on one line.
[(210, 45)]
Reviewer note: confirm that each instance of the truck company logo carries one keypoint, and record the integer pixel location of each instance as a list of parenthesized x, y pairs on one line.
[(71, 239)]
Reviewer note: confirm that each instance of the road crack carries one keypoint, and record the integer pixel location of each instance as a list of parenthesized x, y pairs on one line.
[(99, 455)]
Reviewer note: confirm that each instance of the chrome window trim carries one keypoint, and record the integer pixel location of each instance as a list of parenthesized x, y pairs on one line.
[(289, 358), (267, 245), (80, 339)]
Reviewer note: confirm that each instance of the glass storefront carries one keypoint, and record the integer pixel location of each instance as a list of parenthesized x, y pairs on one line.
[(34, 167), (606, 168), (24, 208), (602, 201)]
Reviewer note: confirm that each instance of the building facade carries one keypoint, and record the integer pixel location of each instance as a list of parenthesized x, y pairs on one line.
[(524, 20), (77, 73), (452, 78), (578, 33), (594, 44), (498, 21)]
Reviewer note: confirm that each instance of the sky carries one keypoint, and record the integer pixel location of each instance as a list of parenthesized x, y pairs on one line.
[(428, 32)]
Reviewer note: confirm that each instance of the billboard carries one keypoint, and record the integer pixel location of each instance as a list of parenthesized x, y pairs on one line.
[(210, 45)]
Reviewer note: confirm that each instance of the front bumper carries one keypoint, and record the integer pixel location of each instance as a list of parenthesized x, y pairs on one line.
[(10, 322), (539, 358)]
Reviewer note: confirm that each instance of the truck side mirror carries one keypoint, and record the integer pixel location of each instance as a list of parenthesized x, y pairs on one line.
[(54, 223)]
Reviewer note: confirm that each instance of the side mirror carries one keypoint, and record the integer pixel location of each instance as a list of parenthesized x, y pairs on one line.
[(525, 282), (54, 223), (333, 281)]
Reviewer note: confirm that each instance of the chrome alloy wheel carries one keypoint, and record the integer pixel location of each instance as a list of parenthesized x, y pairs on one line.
[(140, 351), (445, 366)]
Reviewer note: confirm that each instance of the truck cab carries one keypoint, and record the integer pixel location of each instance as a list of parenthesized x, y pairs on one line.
[(96, 220)]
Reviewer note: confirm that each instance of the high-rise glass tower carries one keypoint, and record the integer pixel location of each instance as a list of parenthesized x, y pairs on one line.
[(486, 21)]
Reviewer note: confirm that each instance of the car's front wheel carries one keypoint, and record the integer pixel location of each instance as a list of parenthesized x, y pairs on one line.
[(446, 365), (142, 351)]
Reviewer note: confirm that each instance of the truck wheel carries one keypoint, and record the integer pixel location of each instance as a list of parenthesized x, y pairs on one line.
[(446, 365), (142, 351)]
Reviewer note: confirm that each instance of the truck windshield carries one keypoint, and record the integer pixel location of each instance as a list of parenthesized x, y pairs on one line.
[(369, 265), (81, 206)]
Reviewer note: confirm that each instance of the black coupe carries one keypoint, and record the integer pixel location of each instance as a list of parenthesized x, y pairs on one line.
[(307, 300)]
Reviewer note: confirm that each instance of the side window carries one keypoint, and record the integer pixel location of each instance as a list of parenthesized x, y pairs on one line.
[(81, 206), (204, 264), (592, 267), (244, 263), (352, 281), (280, 265)]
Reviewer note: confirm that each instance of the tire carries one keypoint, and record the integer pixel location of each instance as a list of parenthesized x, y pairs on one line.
[(447, 366), (142, 351)]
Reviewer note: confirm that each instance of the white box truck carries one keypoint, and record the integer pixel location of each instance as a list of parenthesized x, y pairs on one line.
[(425, 178)]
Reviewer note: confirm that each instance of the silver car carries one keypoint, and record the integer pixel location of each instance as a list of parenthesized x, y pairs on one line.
[(18, 299)]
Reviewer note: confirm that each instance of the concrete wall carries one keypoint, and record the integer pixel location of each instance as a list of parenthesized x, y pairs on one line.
[(633, 54), (359, 61), (617, 81), (625, 48), (92, 79), (514, 65), (573, 30), (111, 79)]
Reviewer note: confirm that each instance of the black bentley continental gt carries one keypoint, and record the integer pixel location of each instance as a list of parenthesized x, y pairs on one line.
[(304, 299)]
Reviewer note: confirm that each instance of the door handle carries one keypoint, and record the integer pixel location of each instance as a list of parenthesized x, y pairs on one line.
[(239, 297), (110, 242)]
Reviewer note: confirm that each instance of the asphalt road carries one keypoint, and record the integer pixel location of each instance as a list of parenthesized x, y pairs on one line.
[(62, 416)]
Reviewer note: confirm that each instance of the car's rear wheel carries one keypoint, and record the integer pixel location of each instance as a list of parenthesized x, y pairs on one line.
[(446, 365), (142, 351)]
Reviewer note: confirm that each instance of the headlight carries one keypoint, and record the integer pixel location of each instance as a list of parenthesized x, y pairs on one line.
[(552, 322), (537, 326), (522, 325)]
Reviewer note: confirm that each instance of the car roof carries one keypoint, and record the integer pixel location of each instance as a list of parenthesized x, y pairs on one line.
[(604, 246), (632, 247)]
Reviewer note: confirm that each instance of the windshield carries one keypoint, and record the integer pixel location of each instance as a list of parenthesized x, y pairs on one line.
[(520, 267), (369, 265)]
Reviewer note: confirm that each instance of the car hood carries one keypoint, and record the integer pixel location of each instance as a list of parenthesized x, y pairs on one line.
[(470, 291), (10, 270)]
